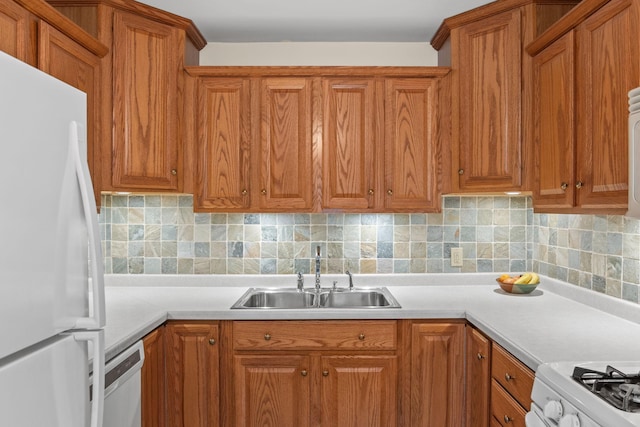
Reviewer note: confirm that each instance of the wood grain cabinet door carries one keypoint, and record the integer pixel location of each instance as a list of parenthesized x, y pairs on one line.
[(487, 147), (154, 386), (437, 374), (359, 391), (223, 144), (14, 30), (607, 70), (146, 80), (412, 154), (192, 374), (272, 390), (554, 122), (350, 174), (478, 382), (285, 154), (64, 59)]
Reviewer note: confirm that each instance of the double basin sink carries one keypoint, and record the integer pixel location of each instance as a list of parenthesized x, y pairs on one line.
[(325, 298)]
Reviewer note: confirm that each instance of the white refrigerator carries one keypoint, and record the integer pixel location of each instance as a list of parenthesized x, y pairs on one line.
[(51, 274)]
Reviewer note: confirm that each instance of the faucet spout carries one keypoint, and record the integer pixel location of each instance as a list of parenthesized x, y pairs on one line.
[(317, 268)]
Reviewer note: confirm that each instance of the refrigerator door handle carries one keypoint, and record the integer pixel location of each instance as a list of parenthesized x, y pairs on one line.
[(97, 403), (97, 319)]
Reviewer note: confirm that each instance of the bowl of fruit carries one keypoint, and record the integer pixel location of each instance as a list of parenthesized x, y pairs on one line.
[(519, 283)]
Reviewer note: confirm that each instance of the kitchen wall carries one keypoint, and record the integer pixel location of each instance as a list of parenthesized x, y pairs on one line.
[(160, 234)]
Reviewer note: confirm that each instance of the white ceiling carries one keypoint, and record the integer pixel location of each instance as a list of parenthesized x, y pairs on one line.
[(246, 21)]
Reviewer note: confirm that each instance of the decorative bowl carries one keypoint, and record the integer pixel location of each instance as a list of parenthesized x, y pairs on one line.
[(512, 288)]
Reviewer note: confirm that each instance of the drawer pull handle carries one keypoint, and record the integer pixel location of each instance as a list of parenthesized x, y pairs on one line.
[(579, 184), (507, 419), (212, 341), (509, 377), (325, 373), (371, 191), (304, 372), (244, 192), (564, 186), (267, 337), (361, 337), (460, 171), (390, 192), (480, 356), (263, 192), (174, 172)]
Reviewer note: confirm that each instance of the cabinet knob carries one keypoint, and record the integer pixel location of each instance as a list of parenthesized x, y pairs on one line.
[(579, 184), (508, 377), (325, 373), (263, 192), (460, 171), (564, 186), (212, 341), (507, 419), (361, 337), (267, 337), (244, 191), (390, 192), (304, 372), (480, 356), (371, 191), (174, 172)]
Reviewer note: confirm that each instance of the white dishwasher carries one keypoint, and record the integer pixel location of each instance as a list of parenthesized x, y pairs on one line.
[(122, 382)]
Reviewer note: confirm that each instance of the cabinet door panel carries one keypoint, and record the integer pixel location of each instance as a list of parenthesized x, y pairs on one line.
[(146, 81), (554, 117), (272, 391), (359, 391), (350, 146), (478, 384), (437, 380), (286, 181), (192, 375), (154, 380), (607, 71), (65, 60), (224, 144), (489, 103), (14, 30), (412, 154)]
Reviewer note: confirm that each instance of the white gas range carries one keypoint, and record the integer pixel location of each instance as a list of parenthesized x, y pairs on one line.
[(591, 394)]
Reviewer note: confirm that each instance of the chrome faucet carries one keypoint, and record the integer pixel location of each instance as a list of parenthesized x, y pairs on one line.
[(350, 280), (317, 268), (300, 282)]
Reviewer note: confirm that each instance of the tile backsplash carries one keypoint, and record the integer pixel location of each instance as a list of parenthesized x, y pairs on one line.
[(153, 234)]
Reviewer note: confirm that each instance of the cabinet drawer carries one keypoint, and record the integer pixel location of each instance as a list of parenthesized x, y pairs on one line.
[(515, 377), (504, 409), (315, 335)]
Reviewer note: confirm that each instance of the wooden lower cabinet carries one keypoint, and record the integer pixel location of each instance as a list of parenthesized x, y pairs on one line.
[(153, 380), (192, 370), (478, 378), (313, 373), (436, 374), (511, 386)]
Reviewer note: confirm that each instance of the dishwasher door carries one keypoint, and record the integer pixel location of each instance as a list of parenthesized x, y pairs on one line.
[(122, 401)]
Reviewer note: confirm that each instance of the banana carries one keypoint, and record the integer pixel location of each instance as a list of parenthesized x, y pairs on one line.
[(535, 279), (523, 280)]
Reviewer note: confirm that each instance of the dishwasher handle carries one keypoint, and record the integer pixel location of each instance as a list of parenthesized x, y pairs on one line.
[(122, 367)]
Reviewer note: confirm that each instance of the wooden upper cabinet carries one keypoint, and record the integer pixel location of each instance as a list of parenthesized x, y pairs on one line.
[(15, 31), (285, 152), (223, 144), (488, 102), (554, 118), (146, 79), (66, 60), (351, 145), (412, 154), (583, 70), (607, 69)]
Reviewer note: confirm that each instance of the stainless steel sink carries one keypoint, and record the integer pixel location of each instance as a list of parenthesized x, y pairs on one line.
[(257, 298), (276, 298), (358, 298)]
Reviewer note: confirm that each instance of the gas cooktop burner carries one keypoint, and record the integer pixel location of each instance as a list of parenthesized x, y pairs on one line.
[(617, 388)]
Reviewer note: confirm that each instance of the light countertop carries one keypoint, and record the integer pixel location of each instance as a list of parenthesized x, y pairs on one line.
[(556, 322)]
